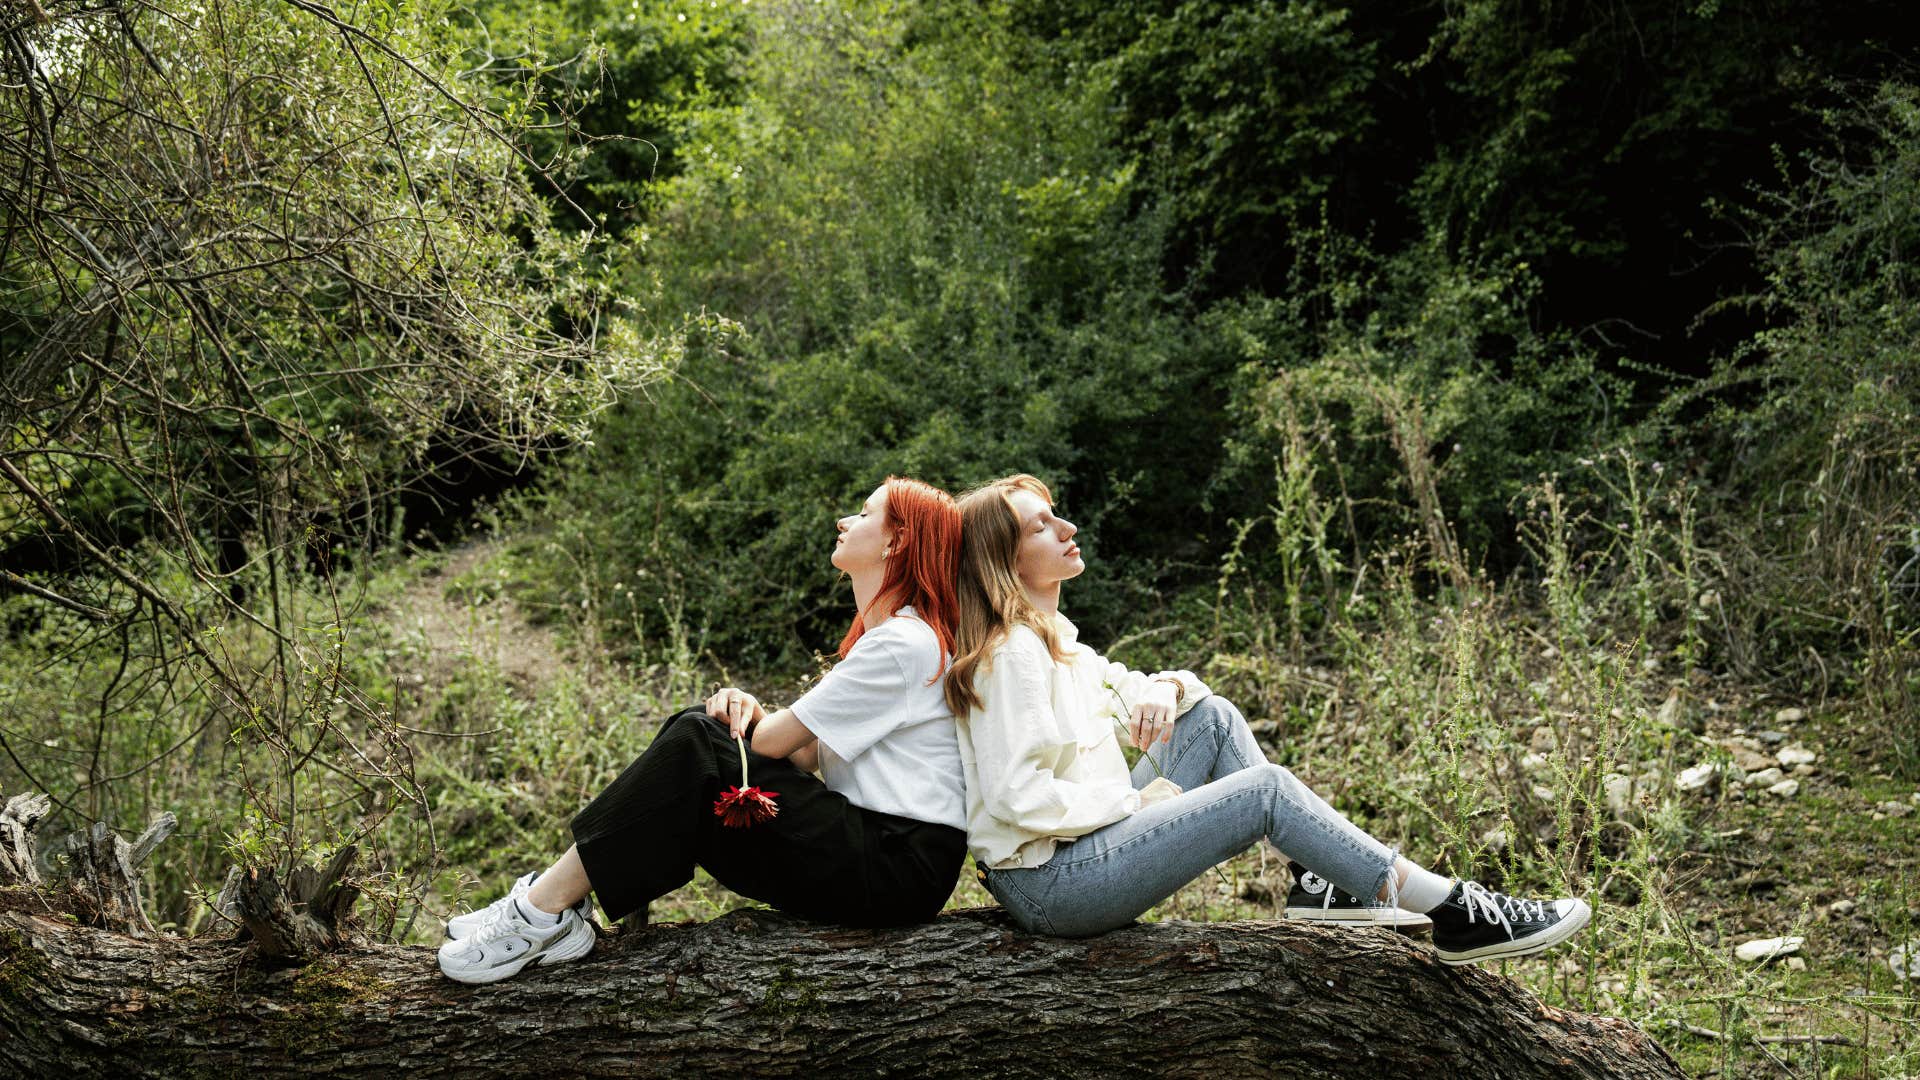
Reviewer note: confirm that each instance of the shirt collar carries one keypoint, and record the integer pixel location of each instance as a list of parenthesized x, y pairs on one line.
[(1069, 633)]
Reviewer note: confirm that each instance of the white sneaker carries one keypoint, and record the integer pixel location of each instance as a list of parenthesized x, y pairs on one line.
[(505, 942), (463, 926)]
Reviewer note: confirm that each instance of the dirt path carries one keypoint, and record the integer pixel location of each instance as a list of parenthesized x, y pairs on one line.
[(455, 628)]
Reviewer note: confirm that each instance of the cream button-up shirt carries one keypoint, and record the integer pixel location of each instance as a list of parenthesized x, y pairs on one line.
[(1042, 754)]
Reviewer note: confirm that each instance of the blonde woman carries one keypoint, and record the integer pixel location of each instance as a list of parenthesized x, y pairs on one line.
[(1072, 844)]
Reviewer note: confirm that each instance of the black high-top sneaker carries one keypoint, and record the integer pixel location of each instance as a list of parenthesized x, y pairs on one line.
[(1315, 899), (1477, 924)]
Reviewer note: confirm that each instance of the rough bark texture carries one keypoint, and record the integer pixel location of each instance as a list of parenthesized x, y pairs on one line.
[(300, 920), (758, 994), (104, 873), (18, 820)]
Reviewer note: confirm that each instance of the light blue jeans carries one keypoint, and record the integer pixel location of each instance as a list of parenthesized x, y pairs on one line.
[(1232, 797)]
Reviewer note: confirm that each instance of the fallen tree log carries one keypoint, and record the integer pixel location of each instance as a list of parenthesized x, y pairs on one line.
[(754, 993)]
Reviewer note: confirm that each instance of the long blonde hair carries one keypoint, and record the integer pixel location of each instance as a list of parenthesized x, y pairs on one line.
[(990, 599)]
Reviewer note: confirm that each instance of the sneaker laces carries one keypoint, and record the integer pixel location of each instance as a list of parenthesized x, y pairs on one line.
[(1481, 903), (1498, 908), (496, 922), (1527, 910)]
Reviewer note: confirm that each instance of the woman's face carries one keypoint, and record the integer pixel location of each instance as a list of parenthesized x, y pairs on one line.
[(864, 536), (1047, 553)]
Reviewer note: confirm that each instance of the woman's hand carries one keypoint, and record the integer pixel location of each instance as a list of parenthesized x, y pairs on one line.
[(736, 708), (1152, 720), (1159, 790)]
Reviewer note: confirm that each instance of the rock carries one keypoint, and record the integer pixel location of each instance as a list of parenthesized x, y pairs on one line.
[(1701, 777), (1760, 950), (1789, 715), (1496, 839), (1770, 738), (1748, 758), (1796, 755), (1891, 808), (1766, 777), (1543, 793), (1795, 963), (1905, 961), (1533, 763), (1543, 740), (1785, 789), (1670, 712), (1619, 792), (1841, 908)]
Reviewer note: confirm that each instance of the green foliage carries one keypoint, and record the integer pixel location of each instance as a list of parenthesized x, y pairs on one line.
[(603, 88), (1241, 110), (1813, 420), (1312, 313), (939, 271), (1099, 241), (307, 262)]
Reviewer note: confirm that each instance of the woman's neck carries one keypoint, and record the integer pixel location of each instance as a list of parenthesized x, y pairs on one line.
[(866, 589), (1044, 597)]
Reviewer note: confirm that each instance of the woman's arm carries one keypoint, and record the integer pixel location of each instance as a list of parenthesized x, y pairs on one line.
[(807, 758), (1016, 741), (780, 735), (1146, 705)]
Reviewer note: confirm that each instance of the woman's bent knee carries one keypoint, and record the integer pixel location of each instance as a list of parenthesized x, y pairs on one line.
[(1215, 711), (1214, 706), (1278, 779), (1277, 774)]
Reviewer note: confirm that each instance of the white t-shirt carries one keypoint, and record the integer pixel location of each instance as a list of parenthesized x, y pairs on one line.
[(887, 739)]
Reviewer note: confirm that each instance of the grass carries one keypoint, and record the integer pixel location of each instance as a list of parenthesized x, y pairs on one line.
[(1479, 732), (1527, 731)]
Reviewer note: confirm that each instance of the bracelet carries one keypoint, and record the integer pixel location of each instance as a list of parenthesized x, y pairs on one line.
[(1179, 688)]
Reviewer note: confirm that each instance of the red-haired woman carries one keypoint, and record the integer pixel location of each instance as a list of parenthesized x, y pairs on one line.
[(876, 840)]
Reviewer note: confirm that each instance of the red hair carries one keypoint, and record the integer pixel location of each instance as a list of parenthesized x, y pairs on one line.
[(919, 572)]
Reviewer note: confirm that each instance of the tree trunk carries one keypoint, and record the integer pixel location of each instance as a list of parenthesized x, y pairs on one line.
[(755, 993)]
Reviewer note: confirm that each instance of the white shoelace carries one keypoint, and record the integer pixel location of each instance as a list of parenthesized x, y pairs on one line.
[(1499, 908), (496, 923)]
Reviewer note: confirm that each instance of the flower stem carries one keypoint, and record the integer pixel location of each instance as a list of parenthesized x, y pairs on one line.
[(1145, 752), (743, 761)]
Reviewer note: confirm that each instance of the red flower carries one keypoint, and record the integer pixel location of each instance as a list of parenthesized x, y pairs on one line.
[(739, 807)]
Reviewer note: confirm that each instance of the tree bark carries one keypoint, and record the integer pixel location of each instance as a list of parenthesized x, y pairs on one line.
[(756, 993)]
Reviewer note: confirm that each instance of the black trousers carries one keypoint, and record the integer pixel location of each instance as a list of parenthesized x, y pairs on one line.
[(822, 858)]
